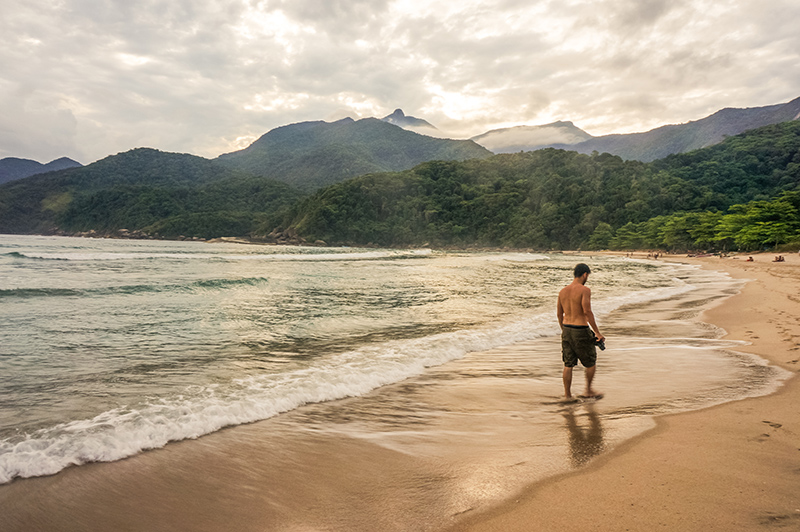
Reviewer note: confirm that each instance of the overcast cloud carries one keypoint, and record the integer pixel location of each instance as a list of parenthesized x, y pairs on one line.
[(90, 78)]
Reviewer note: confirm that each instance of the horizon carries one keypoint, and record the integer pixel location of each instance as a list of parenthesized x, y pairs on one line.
[(85, 80)]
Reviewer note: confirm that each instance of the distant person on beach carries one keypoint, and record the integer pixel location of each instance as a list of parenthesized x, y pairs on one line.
[(575, 318)]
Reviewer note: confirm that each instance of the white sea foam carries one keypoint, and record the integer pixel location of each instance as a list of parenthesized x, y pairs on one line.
[(120, 433), (516, 257), (365, 255), (305, 255)]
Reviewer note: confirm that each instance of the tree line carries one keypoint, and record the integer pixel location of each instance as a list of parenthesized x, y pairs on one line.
[(739, 194), (735, 195)]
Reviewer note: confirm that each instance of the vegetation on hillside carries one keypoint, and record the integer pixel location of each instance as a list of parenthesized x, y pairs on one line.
[(680, 138), (146, 190), (554, 199), (740, 194), (233, 206), (755, 225), (310, 155)]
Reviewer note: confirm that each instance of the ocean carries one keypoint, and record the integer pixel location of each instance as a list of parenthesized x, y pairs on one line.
[(109, 348)]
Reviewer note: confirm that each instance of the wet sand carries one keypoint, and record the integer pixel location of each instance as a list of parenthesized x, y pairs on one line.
[(733, 467), (483, 443)]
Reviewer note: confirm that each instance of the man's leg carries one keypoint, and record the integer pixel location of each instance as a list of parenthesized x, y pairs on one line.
[(567, 376), (589, 379)]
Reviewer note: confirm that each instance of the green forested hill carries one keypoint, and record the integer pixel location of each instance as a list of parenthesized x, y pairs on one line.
[(143, 189), (551, 198), (757, 164), (743, 193), (310, 155)]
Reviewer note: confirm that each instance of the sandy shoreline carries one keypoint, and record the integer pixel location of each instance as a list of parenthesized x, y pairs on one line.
[(730, 467), (443, 449)]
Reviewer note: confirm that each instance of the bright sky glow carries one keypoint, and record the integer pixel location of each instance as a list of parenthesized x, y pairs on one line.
[(90, 78)]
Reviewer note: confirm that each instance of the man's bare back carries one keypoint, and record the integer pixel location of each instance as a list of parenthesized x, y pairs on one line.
[(575, 317), (575, 305)]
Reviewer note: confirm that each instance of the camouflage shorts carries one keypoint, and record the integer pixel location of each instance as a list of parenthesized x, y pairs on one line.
[(577, 343)]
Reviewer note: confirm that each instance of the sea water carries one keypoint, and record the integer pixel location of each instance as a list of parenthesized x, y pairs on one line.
[(112, 347)]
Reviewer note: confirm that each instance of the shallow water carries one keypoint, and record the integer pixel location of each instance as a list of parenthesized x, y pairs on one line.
[(108, 348)]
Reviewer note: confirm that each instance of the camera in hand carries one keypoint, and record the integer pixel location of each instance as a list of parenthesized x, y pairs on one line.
[(600, 343)]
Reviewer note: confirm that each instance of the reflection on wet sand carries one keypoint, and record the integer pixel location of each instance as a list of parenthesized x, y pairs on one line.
[(415, 455), (585, 434)]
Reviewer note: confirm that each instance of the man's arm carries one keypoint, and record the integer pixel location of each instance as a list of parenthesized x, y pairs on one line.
[(560, 312), (586, 304)]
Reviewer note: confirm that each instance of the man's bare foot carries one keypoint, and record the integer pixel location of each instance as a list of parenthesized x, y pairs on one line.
[(591, 394)]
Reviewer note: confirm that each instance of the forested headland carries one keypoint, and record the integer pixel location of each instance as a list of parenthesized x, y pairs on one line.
[(743, 193), (146, 192), (740, 194)]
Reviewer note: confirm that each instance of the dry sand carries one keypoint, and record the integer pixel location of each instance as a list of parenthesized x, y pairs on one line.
[(732, 467), (432, 451)]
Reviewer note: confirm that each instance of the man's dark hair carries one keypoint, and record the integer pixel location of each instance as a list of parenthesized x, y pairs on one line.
[(580, 269)]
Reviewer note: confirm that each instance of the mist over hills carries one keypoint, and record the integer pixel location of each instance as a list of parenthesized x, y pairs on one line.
[(260, 191), (558, 199), (12, 168), (647, 146), (682, 138), (544, 199), (310, 155), (530, 138), (399, 118)]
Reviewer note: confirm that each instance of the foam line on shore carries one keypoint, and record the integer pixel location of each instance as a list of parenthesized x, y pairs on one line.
[(196, 411)]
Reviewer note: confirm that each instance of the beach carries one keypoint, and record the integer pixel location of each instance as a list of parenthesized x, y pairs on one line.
[(482, 442), (730, 467)]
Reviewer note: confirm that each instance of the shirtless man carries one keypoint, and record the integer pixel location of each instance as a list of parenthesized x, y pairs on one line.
[(577, 342)]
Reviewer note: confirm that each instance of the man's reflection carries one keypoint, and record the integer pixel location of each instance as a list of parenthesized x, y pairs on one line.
[(585, 438)]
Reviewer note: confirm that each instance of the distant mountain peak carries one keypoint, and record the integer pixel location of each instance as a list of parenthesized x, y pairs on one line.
[(695, 134), (12, 168), (529, 138), (400, 119), (314, 154)]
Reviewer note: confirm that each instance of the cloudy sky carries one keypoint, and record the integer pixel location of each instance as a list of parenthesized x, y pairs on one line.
[(90, 78)]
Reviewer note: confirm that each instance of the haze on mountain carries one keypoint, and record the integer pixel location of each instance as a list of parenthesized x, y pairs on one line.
[(682, 138), (310, 155), (558, 199), (418, 125), (542, 199), (647, 146), (12, 168), (529, 138)]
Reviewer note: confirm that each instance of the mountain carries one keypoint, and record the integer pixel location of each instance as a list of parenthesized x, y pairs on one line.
[(311, 155), (681, 138), (12, 168), (144, 190), (558, 199), (398, 118), (529, 138)]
